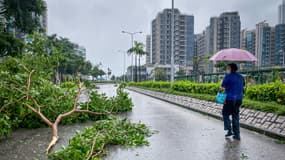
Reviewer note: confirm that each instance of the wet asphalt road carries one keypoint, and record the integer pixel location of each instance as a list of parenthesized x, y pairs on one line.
[(182, 135), (186, 135)]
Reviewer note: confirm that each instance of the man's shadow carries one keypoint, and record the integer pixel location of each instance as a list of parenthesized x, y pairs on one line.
[(232, 150)]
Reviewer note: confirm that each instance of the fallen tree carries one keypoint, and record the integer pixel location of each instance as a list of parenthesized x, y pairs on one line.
[(54, 125), (27, 94), (31, 96), (35, 107)]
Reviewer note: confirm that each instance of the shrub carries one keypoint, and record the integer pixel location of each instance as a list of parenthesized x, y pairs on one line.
[(271, 107), (68, 84), (198, 88), (101, 103), (274, 92), (5, 125), (150, 84), (182, 86)]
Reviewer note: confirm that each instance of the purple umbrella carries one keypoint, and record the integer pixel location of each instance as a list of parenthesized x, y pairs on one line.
[(234, 55)]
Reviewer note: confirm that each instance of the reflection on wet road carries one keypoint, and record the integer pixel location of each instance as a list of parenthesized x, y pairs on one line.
[(186, 135), (182, 135)]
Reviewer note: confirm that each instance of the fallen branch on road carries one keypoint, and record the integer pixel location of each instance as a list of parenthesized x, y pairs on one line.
[(54, 125), (91, 142)]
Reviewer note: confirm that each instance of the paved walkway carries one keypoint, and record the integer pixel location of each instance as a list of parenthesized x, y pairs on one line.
[(267, 123), (187, 135)]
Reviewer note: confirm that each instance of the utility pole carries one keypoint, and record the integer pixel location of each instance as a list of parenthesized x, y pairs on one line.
[(283, 58), (172, 44), (132, 56), (124, 64)]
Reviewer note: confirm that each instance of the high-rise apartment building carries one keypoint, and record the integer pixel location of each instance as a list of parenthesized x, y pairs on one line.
[(223, 32), (260, 41), (207, 34), (229, 30), (213, 42), (279, 56), (243, 38), (44, 18), (203, 50), (148, 50), (272, 45), (250, 41), (264, 44), (281, 13), (200, 52), (183, 38), (247, 40), (201, 44)]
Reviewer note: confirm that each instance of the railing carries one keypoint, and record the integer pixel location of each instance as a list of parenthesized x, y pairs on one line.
[(257, 76)]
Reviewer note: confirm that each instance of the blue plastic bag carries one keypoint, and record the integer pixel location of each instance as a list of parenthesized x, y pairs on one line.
[(221, 98)]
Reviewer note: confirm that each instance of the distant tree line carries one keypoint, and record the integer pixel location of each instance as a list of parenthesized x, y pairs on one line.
[(24, 16)]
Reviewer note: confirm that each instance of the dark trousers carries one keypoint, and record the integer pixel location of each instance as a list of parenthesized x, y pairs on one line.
[(232, 108)]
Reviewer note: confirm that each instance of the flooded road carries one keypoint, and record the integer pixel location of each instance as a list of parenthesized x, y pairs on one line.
[(182, 135)]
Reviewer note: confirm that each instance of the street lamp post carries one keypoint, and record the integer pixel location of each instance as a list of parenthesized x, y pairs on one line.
[(124, 69), (172, 44), (283, 58), (132, 57)]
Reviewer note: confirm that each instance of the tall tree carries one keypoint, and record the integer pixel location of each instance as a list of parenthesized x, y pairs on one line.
[(199, 60), (181, 72), (138, 50), (97, 72), (10, 45), (23, 14), (160, 74), (67, 59)]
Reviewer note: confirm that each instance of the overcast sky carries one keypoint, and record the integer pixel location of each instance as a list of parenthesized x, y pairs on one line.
[(97, 24)]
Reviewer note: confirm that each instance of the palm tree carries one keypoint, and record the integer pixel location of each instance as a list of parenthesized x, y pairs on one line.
[(138, 51)]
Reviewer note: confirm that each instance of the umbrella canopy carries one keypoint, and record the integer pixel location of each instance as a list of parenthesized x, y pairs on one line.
[(234, 55)]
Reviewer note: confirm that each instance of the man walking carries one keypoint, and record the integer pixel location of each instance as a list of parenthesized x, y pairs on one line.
[(233, 85)]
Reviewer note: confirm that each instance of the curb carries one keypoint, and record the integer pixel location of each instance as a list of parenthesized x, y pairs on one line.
[(219, 117)]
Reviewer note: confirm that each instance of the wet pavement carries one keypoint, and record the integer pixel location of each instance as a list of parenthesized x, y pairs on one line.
[(30, 144), (182, 135), (187, 135)]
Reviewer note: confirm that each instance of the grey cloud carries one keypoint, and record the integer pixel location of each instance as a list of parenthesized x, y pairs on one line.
[(97, 24)]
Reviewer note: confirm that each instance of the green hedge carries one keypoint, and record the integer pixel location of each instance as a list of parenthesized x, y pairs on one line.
[(271, 107), (198, 88), (272, 92), (150, 84), (267, 92)]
